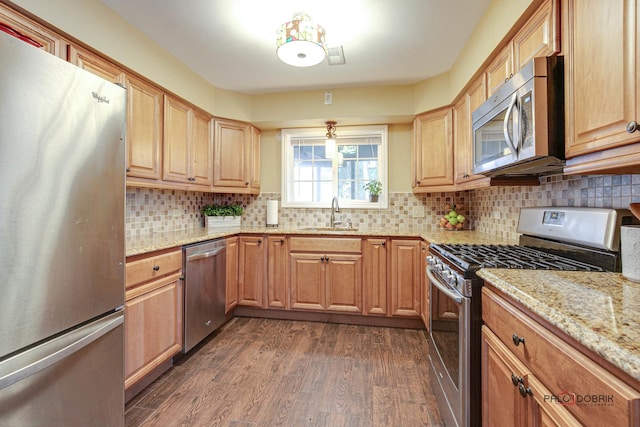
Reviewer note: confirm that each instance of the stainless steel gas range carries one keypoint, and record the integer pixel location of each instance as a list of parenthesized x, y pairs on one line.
[(552, 238)]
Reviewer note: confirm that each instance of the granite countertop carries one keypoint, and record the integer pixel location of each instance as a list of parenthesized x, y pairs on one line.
[(136, 245), (599, 310)]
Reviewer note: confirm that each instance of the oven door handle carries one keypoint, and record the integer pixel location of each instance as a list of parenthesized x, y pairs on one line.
[(444, 289)]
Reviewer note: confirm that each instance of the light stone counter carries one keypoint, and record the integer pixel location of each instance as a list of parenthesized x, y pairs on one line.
[(137, 245), (599, 310)]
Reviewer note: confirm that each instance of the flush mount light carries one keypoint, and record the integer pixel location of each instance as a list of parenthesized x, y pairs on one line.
[(300, 42), (330, 142)]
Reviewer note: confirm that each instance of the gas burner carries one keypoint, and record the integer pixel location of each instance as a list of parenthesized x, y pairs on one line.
[(474, 257)]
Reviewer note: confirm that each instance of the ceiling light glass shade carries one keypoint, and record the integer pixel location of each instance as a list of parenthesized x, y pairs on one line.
[(301, 43), (330, 142), (329, 148)]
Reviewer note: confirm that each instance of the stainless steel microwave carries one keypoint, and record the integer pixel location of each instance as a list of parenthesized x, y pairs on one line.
[(520, 129)]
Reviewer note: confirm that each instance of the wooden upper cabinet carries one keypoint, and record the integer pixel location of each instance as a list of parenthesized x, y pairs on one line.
[(538, 37), (255, 160), (144, 129), (201, 151), (188, 144), (601, 84), (177, 136), (31, 32), (433, 149), (500, 69), (96, 65), (475, 95), (232, 145)]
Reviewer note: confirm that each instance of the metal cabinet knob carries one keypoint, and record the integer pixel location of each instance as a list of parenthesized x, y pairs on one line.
[(632, 126), (383, 243), (515, 380), (128, 170), (524, 391), (517, 340), (156, 267)]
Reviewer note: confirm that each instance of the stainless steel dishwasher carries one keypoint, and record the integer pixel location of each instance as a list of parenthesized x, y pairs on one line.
[(204, 290)]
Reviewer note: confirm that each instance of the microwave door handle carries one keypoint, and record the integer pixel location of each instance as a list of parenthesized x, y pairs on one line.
[(505, 126), (517, 125)]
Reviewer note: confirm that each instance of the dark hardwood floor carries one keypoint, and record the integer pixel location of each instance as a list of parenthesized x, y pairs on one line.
[(264, 372)]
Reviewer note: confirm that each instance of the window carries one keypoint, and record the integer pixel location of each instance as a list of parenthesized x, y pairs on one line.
[(311, 179)]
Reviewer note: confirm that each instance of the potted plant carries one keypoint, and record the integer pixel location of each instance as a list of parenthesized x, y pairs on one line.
[(373, 187), (222, 216)]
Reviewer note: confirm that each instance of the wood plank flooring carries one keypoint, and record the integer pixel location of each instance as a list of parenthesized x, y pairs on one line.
[(265, 372)]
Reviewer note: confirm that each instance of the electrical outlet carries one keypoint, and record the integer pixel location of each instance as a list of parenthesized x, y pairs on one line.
[(328, 98), (496, 214), (418, 211)]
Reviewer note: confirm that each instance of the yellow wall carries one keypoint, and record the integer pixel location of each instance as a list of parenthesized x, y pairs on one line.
[(99, 27)]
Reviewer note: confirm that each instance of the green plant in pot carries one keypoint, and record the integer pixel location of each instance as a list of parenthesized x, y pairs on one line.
[(373, 187), (222, 216)]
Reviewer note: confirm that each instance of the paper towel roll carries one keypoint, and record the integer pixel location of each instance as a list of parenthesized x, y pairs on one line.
[(272, 212), (630, 251)]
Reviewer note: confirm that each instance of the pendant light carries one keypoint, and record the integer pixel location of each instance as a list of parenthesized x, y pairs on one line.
[(330, 142)]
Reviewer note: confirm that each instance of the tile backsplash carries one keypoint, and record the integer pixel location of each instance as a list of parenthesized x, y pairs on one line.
[(492, 210)]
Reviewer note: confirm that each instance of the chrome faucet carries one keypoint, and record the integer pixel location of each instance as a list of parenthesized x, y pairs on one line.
[(334, 209)]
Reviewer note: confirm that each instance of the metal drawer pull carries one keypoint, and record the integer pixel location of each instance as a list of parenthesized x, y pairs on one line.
[(517, 340), (156, 267)]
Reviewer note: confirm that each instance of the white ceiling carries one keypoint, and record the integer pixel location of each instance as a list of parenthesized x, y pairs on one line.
[(231, 43)]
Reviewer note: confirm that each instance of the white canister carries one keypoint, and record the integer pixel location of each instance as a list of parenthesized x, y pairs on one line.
[(630, 251)]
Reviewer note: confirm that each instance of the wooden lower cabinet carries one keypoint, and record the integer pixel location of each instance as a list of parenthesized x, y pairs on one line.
[(511, 395), (277, 289), (555, 381), (375, 277), (424, 285), (326, 274), (153, 313), (405, 277), (231, 294), (251, 262)]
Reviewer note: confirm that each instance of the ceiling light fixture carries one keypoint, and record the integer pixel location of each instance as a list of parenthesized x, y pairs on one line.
[(300, 42), (330, 142)]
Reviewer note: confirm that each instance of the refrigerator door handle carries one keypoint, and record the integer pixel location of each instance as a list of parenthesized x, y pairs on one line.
[(101, 328)]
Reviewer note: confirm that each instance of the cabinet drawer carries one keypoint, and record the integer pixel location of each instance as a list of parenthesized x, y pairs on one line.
[(325, 244), (146, 267), (563, 369)]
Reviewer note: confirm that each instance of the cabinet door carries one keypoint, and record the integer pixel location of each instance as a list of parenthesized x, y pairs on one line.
[(433, 148), (177, 138), (500, 69), (424, 284), (144, 129), (277, 272), (462, 135), (31, 32), (545, 412), (502, 404), (375, 277), (201, 150), (96, 65), (232, 141), (255, 160), (307, 281), (343, 281), (231, 294), (405, 278), (540, 36), (601, 74), (153, 326), (444, 308), (250, 273)]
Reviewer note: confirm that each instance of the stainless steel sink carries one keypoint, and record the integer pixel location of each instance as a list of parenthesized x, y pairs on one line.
[(330, 229)]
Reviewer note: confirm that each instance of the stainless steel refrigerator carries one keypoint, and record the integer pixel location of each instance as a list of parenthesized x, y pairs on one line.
[(62, 171)]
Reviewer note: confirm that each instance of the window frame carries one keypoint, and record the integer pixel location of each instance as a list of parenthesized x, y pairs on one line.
[(342, 132)]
